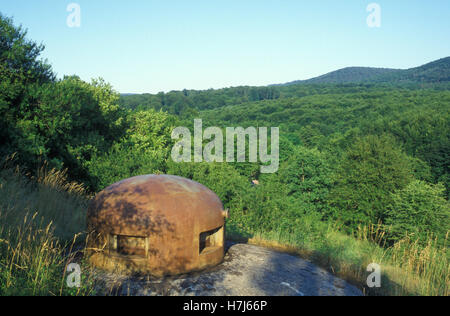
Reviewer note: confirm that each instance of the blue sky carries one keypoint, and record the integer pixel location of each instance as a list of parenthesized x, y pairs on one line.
[(151, 46)]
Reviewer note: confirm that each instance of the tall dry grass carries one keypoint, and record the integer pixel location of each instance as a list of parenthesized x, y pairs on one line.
[(417, 269), (49, 194), (41, 220)]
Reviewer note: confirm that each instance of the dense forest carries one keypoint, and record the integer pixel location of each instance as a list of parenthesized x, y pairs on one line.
[(358, 148)]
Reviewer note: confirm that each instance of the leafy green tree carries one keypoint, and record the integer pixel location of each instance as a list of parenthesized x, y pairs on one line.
[(150, 130), (371, 170), (63, 122), (222, 178), (267, 207), (66, 123), (421, 210), (21, 56), (307, 175), (20, 67), (426, 135), (123, 161), (144, 149)]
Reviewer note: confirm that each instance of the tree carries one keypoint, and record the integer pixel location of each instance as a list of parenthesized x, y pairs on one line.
[(66, 123), (20, 67), (150, 130), (371, 170), (307, 175), (419, 209), (18, 55), (144, 149)]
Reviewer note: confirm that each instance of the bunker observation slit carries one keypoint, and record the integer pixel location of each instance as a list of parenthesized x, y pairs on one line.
[(211, 240)]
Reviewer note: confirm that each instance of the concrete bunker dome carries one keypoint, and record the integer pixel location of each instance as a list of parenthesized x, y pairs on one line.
[(156, 224)]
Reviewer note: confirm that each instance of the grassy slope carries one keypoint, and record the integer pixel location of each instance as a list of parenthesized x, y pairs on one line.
[(39, 219), (40, 222)]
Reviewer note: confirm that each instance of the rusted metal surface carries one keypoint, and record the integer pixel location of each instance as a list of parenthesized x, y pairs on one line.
[(156, 224)]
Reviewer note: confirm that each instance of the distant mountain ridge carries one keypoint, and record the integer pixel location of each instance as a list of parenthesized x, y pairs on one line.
[(436, 71)]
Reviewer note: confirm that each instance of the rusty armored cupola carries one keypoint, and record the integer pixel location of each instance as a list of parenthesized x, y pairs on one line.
[(156, 224)]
